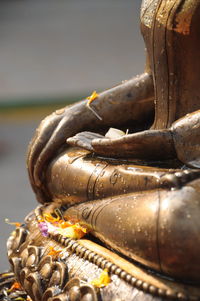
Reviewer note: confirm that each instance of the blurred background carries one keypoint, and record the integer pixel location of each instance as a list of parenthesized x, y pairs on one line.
[(54, 52)]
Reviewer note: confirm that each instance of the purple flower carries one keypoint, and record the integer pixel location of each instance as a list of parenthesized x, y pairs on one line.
[(43, 228)]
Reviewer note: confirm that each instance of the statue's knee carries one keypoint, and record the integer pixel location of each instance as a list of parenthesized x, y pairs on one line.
[(158, 228), (178, 232)]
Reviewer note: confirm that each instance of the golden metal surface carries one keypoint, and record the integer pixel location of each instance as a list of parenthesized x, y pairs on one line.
[(147, 212)]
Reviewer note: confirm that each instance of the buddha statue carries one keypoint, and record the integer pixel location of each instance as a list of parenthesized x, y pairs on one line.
[(125, 166)]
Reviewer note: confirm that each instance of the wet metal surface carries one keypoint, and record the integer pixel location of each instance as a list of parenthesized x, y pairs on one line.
[(50, 57)]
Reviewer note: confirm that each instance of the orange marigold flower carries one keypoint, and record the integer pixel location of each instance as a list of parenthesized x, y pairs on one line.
[(103, 280), (16, 224), (53, 252), (58, 224), (41, 220), (16, 286), (75, 231), (50, 218), (65, 224), (92, 97)]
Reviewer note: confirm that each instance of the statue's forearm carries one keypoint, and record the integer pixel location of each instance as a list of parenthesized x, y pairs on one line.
[(128, 101)]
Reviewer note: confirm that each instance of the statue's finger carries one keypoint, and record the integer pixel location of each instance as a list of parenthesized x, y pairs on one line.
[(43, 134), (148, 145), (68, 126), (107, 147), (80, 142), (56, 139), (83, 140)]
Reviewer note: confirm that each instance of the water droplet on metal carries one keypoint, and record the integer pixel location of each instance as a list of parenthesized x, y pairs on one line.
[(114, 177), (60, 111)]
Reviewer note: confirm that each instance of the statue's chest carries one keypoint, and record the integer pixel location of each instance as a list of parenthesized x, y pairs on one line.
[(159, 11), (175, 15), (148, 10), (171, 30)]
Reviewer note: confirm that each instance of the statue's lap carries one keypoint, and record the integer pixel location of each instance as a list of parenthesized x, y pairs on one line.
[(149, 214)]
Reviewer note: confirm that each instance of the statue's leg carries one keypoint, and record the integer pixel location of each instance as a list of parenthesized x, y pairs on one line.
[(159, 229), (135, 191), (76, 176)]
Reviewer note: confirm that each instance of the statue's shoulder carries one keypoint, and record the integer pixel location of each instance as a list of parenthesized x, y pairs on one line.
[(177, 13), (186, 12), (147, 11)]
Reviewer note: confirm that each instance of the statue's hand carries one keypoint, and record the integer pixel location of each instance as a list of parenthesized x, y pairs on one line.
[(85, 140), (50, 136), (186, 135), (180, 141), (147, 145), (132, 99)]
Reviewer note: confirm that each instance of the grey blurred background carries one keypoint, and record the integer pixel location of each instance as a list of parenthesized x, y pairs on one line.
[(52, 52)]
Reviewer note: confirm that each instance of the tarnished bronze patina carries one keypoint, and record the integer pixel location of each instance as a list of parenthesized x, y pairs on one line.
[(137, 193)]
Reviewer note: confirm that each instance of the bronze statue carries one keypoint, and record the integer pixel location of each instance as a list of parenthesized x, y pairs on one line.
[(137, 193)]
